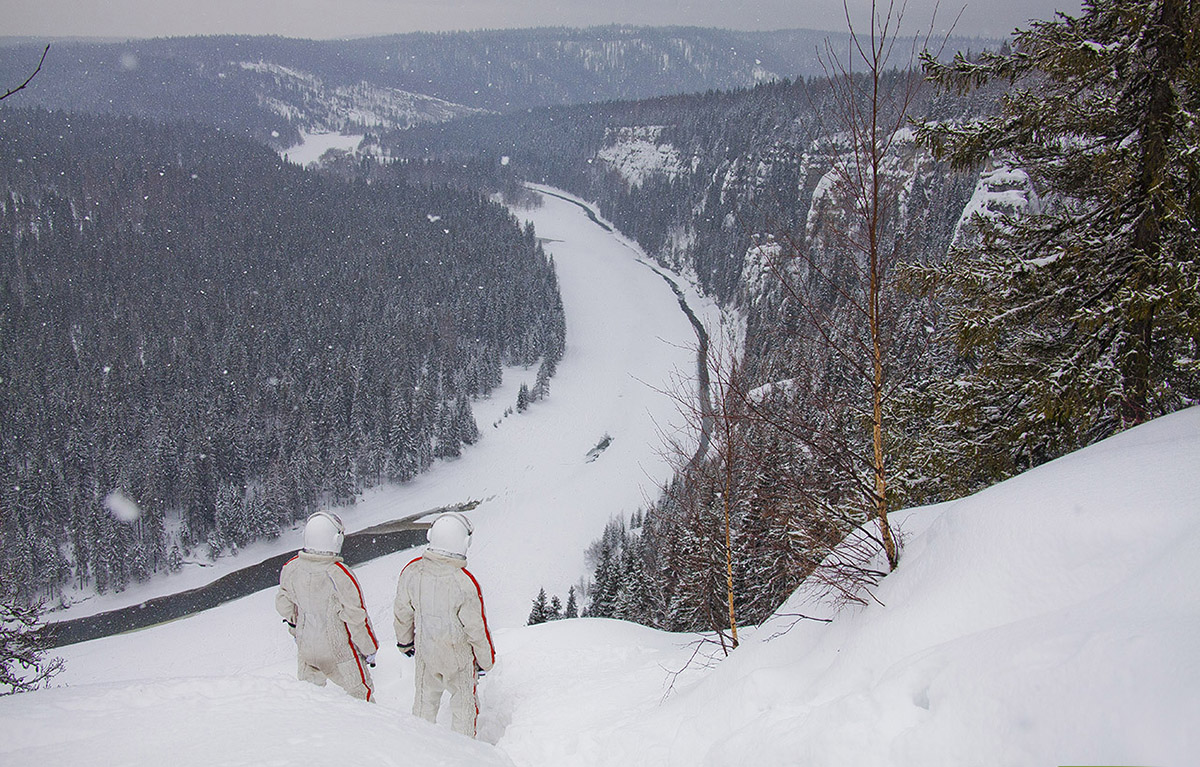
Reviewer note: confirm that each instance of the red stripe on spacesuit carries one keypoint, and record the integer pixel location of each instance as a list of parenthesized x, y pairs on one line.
[(361, 603), (475, 697), (402, 569), (361, 674), (482, 613)]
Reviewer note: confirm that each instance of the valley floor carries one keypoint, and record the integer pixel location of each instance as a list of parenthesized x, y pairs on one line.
[(544, 495)]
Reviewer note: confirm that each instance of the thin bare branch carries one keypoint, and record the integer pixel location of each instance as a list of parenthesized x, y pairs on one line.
[(29, 79)]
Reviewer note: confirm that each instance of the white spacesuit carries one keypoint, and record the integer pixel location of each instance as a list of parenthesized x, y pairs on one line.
[(439, 617), (322, 603)]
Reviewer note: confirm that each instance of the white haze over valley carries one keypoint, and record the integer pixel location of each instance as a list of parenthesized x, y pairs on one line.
[(327, 19), (1051, 619)]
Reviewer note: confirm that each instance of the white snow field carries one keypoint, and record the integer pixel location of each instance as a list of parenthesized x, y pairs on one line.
[(1049, 620), (313, 145)]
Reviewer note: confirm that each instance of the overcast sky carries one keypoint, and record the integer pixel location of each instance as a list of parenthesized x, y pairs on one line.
[(353, 18)]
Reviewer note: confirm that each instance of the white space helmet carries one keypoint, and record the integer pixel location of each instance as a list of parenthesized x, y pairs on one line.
[(324, 533), (450, 534)]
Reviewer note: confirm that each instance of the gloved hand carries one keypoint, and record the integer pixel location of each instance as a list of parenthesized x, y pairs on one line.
[(480, 673), (370, 659), (408, 650)]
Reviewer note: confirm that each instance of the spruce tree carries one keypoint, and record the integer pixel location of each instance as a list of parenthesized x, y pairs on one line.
[(1084, 317), (539, 612), (230, 527), (572, 608), (606, 583), (635, 601), (465, 424), (541, 387)]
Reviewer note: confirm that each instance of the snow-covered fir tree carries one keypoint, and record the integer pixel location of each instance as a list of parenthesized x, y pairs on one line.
[(572, 608), (23, 662), (1082, 317), (540, 610), (543, 611)]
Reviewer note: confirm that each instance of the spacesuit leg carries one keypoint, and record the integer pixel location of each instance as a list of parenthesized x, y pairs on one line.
[(427, 697), (308, 673), (354, 676), (464, 703)]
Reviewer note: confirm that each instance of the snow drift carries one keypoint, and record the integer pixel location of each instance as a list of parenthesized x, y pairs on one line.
[(1051, 619), (1048, 620)]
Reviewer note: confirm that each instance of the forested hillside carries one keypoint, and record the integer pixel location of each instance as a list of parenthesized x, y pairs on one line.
[(271, 88), (697, 179), (942, 286), (193, 328), (745, 190)]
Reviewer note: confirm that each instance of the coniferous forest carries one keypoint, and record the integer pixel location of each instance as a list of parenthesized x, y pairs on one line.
[(228, 341), (224, 341)]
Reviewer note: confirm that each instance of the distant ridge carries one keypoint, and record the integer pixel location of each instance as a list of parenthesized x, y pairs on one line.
[(342, 82)]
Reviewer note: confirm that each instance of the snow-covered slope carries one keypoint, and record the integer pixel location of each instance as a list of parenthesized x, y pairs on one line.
[(1000, 191), (1051, 619), (638, 153), (305, 99)]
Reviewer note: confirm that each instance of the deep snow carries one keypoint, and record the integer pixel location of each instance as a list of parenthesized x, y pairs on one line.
[(1051, 619)]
